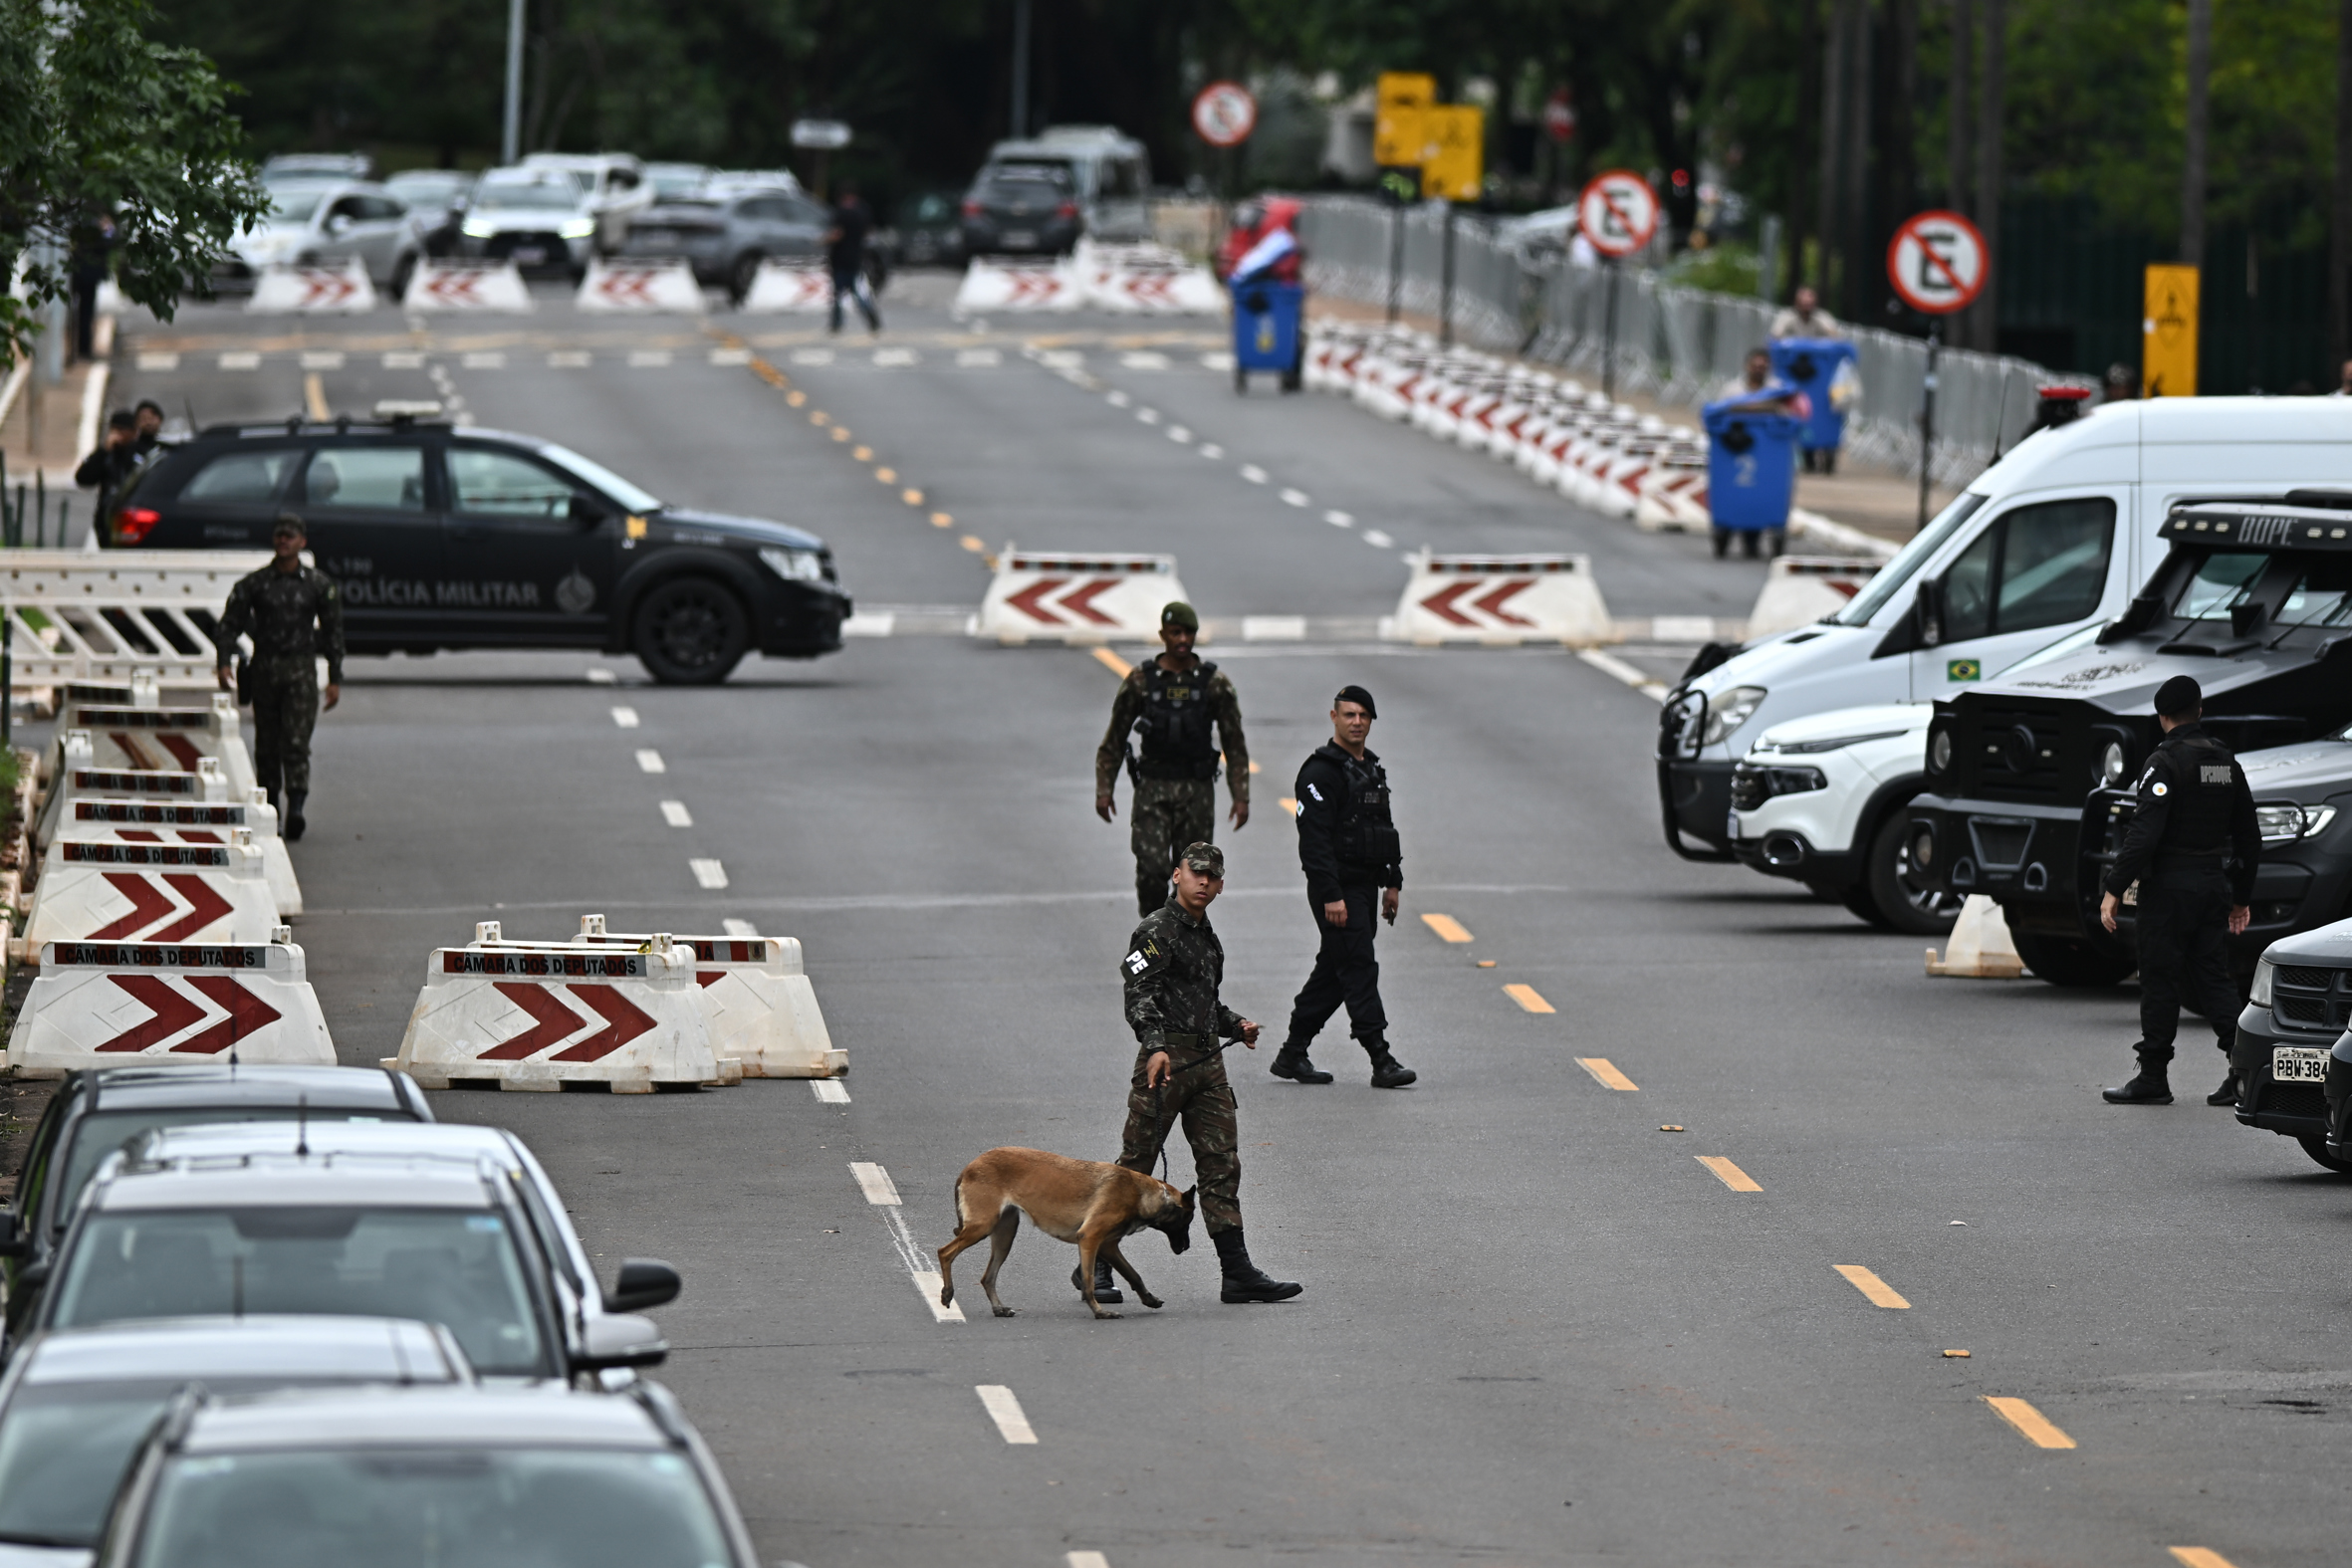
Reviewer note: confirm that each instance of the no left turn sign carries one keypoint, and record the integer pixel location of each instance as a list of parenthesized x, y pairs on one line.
[(1619, 212), (1224, 114), (1937, 262)]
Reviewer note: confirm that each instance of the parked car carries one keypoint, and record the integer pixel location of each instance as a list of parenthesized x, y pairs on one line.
[(77, 1404), (926, 231), (292, 167), (1021, 208), (439, 198), (1108, 171), (403, 1477), (615, 186), (727, 237), (539, 219), (92, 1114), (670, 181), (325, 223), (446, 538), (722, 182), (2292, 1078)]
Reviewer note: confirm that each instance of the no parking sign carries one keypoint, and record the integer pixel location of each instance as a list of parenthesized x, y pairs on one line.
[(1619, 212), (1937, 262)]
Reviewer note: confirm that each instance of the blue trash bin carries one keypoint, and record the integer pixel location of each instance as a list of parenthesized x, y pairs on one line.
[(1750, 472), (1809, 365), (1265, 317)]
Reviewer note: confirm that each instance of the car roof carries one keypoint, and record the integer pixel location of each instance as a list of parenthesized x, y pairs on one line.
[(257, 1181), (444, 1141), (206, 1084), (387, 1349), (410, 1418)]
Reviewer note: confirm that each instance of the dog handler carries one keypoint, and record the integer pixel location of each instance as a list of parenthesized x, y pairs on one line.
[(1172, 969)]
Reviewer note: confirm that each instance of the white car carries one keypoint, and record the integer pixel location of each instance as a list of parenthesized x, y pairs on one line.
[(538, 218), (617, 191), (1821, 801), (325, 223)]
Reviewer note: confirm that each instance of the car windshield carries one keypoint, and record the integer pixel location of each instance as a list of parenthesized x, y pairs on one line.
[(101, 1132), (551, 196), (427, 185), (462, 1269), (1909, 560), (2219, 581), (602, 478), (453, 1508), (295, 203), (2322, 596), (1025, 177)]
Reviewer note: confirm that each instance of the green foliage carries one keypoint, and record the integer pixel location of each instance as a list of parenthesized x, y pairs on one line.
[(1728, 268), (95, 117)]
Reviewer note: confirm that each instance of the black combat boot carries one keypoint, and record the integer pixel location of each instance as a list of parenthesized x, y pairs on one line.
[(1387, 1071), (2228, 1093), (1290, 1063), (1104, 1291), (293, 825), (2152, 1087), (1243, 1283)]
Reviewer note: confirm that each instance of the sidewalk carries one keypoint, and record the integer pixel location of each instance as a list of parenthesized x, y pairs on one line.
[(66, 420)]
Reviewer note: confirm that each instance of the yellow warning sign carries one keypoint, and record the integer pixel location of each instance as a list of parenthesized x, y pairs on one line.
[(1403, 98), (1453, 157), (2168, 332)]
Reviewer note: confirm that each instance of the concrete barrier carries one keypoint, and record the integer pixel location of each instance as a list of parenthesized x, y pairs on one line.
[(999, 286), (116, 615), (1146, 279), (74, 776), (313, 291), (1978, 947), (1076, 596), (781, 287), (638, 287), (104, 1005), (1800, 590), (175, 822), (488, 287), (539, 1017), (1502, 599), (162, 740), (97, 890)]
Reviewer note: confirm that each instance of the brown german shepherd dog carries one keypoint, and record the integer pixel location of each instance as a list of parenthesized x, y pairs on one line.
[(1082, 1200)]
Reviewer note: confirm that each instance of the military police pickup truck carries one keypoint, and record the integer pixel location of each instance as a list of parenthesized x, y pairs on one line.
[(446, 538), (2029, 776)]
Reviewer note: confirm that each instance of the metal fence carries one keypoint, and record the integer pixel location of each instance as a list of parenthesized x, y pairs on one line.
[(1678, 345)]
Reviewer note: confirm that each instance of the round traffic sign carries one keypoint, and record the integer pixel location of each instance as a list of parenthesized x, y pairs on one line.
[(1619, 212), (1937, 262), (1224, 114)]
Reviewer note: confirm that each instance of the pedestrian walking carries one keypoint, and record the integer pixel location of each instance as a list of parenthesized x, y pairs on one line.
[(1804, 317), (1173, 971), (1175, 699), (2193, 845), (844, 257), (1756, 387), (1354, 864), (294, 615)]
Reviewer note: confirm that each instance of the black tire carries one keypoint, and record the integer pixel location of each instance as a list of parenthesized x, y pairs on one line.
[(1902, 903), (1723, 541), (690, 632), (2316, 1148), (2072, 962), (1863, 907), (742, 275)]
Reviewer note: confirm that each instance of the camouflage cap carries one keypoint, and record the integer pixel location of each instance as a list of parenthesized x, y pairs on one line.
[(1204, 858), (1178, 614), (288, 523)]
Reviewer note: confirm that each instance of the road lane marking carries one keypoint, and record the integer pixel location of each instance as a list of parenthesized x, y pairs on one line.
[(943, 519), (887, 476), (1617, 669), (153, 361), (1118, 399), (1730, 1174), (597, 676), (1340, 519), (676, 813), (831, 1090), (812, 356), (1377, 539), (1142, 360), (1528, 997), (1112, 662), (1211, 450), (730, 356), (1295, 497), (739, 928), (322, 359), (1878, 1290), (1253, 474), (482, 361), (1180, 435), (1085, 1560), (240, 361), (1147, 416), (864, 454), (403, 360), (2032, 1424), (627, 718), (313, 398), (2186, 1556), (1005, 1411), (882, 1193), (649, 358), (570, 359), (841, 433), (875, 1183), (1288, 805), (1604, 1072), (650, 761), (973, 542), (712, 874), (795, 398), (1447, 928), (911, 496)]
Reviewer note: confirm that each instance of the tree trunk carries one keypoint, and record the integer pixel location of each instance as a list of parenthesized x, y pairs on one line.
[(1987, 310), (1854, 231), (1959, 98), (1833, 119), (1808, 91), (2339, 258), (2200, 64)]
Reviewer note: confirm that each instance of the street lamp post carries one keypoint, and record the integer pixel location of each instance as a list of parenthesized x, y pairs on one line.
[(510, 140)]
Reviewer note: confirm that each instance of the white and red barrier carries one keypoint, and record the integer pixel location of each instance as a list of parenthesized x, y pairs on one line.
[(1800, 590), (756, 998), (639, 288), (782, 286), (1147, 280), (75, 777), (491, 287), (175, 822), (107, 1005), (539, 1017), (994, 285), (313, 291), (1502, 599), (1674, 495), (161, 740), (100, 890), (1075, 595)]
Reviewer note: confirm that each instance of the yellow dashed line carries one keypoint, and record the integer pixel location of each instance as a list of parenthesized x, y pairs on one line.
[(1256, 767), (865, 454), (1730, 1174), (2032, 1424), (1604, 1072), (841, 432), (942, 519), (1878, 1290), (1113, 662), (971, 541), (1528, 997), (2200, 1557), (888, 476), (913, 497), (819, 418), (795, 398), (314, 396), (1447, 928)]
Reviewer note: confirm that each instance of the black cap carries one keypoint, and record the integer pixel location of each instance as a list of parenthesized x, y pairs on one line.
[(1358, 696), (2178, 696)]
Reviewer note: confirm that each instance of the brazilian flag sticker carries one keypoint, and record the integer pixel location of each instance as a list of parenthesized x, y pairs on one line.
[(1963, 670)]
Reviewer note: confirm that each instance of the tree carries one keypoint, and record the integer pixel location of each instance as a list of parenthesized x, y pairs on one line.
[(99, 120)]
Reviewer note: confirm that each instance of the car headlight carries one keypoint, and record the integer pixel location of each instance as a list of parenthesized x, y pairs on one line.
[(2260, 995), (2282, 823), (577, 228), (2112, 764), (1940, 752), (793, 566), (479, 228), (1729, 711)]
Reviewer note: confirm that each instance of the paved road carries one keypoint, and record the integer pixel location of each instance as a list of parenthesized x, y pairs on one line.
[(1538, 1328)]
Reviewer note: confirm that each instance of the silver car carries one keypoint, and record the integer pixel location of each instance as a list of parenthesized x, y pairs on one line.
[(326, 223), (727, 237), (538, 218)]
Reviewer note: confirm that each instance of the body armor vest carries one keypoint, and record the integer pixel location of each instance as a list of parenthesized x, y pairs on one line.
[(1176, 724), (1366, 839), (2198, 824)]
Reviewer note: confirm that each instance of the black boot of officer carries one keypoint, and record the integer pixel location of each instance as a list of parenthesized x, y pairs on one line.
[(1245, 1281), (1290, 1063), (1387, 1071), (1104, 1289), (2151, 1085)]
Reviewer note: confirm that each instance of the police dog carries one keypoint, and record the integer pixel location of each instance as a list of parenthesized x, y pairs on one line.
[(1082, 1200)]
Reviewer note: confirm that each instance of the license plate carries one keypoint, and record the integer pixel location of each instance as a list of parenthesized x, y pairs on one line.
[(1020, 237), (657, 236), (1731, 829), (529, 255), (2298, 1065)]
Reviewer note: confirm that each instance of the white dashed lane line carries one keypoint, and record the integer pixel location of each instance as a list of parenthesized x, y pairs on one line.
[(882, 1193), (975, 358), (1253, 474), (483, 360), (1340, 519), (649, 358), (403, 360), (711, 874), (832, 1091), (650, 761), (627, 718), (570, 359), (1618, 670), (1295, 497), (676, 813), (1377, 539), (240, 361), (738, 928), (322, 359), (597, 676), (1005, 1411)]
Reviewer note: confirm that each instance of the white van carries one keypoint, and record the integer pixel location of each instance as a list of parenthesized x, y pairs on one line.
[(2054, 538), (1109, 170)]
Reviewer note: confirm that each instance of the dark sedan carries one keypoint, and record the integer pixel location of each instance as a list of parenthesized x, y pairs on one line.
[(725, 238), (1030, 208)]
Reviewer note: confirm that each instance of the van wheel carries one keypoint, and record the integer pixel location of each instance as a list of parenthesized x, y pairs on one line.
[(2071, 962), (2316, 1148), (691, 631), (1905, 902)]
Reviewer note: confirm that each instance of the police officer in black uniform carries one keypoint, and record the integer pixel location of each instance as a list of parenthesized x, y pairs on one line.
[(2193, 845), (1348, 847)]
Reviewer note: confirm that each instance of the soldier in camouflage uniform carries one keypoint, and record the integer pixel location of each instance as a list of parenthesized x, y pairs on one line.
[(1173, 966), (293, 614), (1174, 699)]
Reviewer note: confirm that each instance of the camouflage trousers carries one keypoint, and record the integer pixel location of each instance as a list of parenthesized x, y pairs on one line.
[(1204, 1101), (1167, 814), (285, 709)]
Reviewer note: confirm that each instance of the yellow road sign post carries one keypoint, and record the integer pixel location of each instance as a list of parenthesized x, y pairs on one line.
[(1453, 152), (1401, 99), (2168, 332)]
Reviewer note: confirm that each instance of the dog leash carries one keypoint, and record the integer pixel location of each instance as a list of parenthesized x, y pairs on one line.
[(1156, 1089)]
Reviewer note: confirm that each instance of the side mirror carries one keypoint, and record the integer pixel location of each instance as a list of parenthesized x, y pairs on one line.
[(645, 1283), (2247, 619), (1928, 613), (2137, 617), (586, 509), (32, 1277), (620, 1341), (14, 1242)]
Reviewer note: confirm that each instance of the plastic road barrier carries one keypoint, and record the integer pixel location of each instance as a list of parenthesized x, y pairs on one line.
[(177, 823), (1502, 599), (289, 290), (761, 1007), (78, 751), (96, 890), (1054, 596), (112, 615), (639, 287), (207, 786), (1802, 590), (161, 740), (466, 285), (1151, 280), (1814, 366), (1674, 493), (104, 1003), (1978, 947), (1001, 286), (788, 286), (539, 1017)]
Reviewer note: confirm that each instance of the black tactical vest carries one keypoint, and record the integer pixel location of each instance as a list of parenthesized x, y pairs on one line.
[(1366, 839), (2198, 823), (1177, 723)]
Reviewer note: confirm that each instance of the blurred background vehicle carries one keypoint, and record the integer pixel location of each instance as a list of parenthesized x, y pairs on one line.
[(616, 187), (670, 181), (439, 198), (727, 181), (925, 231), (294, 167), (1109, 169), (727, 237), (538, 218), (1021, 208), (327, 223)]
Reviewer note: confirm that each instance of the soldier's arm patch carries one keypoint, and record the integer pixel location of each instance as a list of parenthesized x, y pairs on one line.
[(2158, 789), (1137, 963)]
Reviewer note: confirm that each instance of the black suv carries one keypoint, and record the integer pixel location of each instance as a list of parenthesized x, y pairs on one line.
[(2289, 1084), (442, 537), (2030, 777)]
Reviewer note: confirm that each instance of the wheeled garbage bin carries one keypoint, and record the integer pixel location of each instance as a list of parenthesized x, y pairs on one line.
[(1266, 335), (1751, 473), (1812, 365)]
